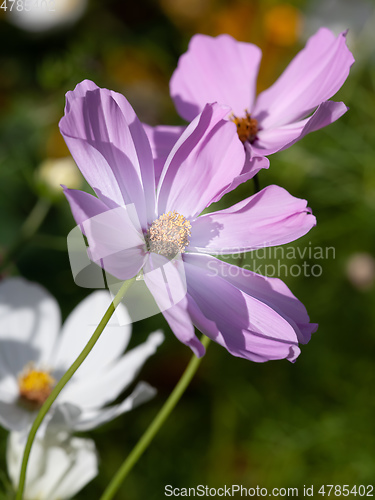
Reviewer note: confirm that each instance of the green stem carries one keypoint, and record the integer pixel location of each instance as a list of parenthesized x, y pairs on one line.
[(30, 226), (241, 260), (154, 427), (256, 184), (65, 378)]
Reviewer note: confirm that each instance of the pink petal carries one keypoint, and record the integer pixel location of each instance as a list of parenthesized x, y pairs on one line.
[(80, 91), (244, 325), (83, 205), (116, 242), (114, 235), (252, 166), (202, 164), (215, 70), (110, 147), (268, 218), (271, 291), (166, 281), (162, 139), (314, 75), (276, 139), (181, 325)]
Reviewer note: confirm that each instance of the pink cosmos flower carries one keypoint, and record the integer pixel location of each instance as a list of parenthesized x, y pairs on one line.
[(133, 228), (163, 137), (225, 71)]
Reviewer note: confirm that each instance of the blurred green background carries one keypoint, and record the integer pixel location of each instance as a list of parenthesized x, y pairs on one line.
[(274, 424)]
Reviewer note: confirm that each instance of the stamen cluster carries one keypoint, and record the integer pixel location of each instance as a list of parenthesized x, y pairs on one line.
[(169, 234), (34, 387), (247, 127)]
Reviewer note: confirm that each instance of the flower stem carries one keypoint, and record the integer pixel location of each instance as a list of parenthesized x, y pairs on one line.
[(256, 184), (30, 226), (154, 427), (65, 378)]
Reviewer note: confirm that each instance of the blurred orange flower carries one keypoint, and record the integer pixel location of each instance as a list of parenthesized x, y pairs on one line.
[(282, 25)]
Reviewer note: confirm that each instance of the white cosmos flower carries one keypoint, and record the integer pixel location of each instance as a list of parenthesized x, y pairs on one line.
[(59, 465), (34, 355), (45, 15)]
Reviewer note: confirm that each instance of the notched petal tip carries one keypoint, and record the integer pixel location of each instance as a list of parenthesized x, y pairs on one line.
[(315, 327), (79, 91), (197, 347), (294, 352)]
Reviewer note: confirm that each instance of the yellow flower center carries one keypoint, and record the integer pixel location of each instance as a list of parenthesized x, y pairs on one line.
[(247, 127), (169, 234), (34, 387)]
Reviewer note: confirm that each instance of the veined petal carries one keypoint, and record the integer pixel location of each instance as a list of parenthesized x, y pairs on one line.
[(276, 139), (244, 325), (104, 386), (29, 324), (314, 75), (202, 164), (270, 291), (114, 234), (84, 205), (95, 169), (116, 242), (215, 70), (111, 148), (80, 90), (162, 139), (268, 218), (139, 151), (79, 327), (166, 281)]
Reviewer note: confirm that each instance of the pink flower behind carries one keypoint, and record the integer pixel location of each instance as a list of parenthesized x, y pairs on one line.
[(224, 70), (132, 227)]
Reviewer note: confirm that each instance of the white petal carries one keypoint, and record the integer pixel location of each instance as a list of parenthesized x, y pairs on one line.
[(98, 391), (79, 327), (8, 387), (14, 454), (15, 418), (59, 466), (81, 472), (29, 323), (64, 416), (93, 418), (56, 466)]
